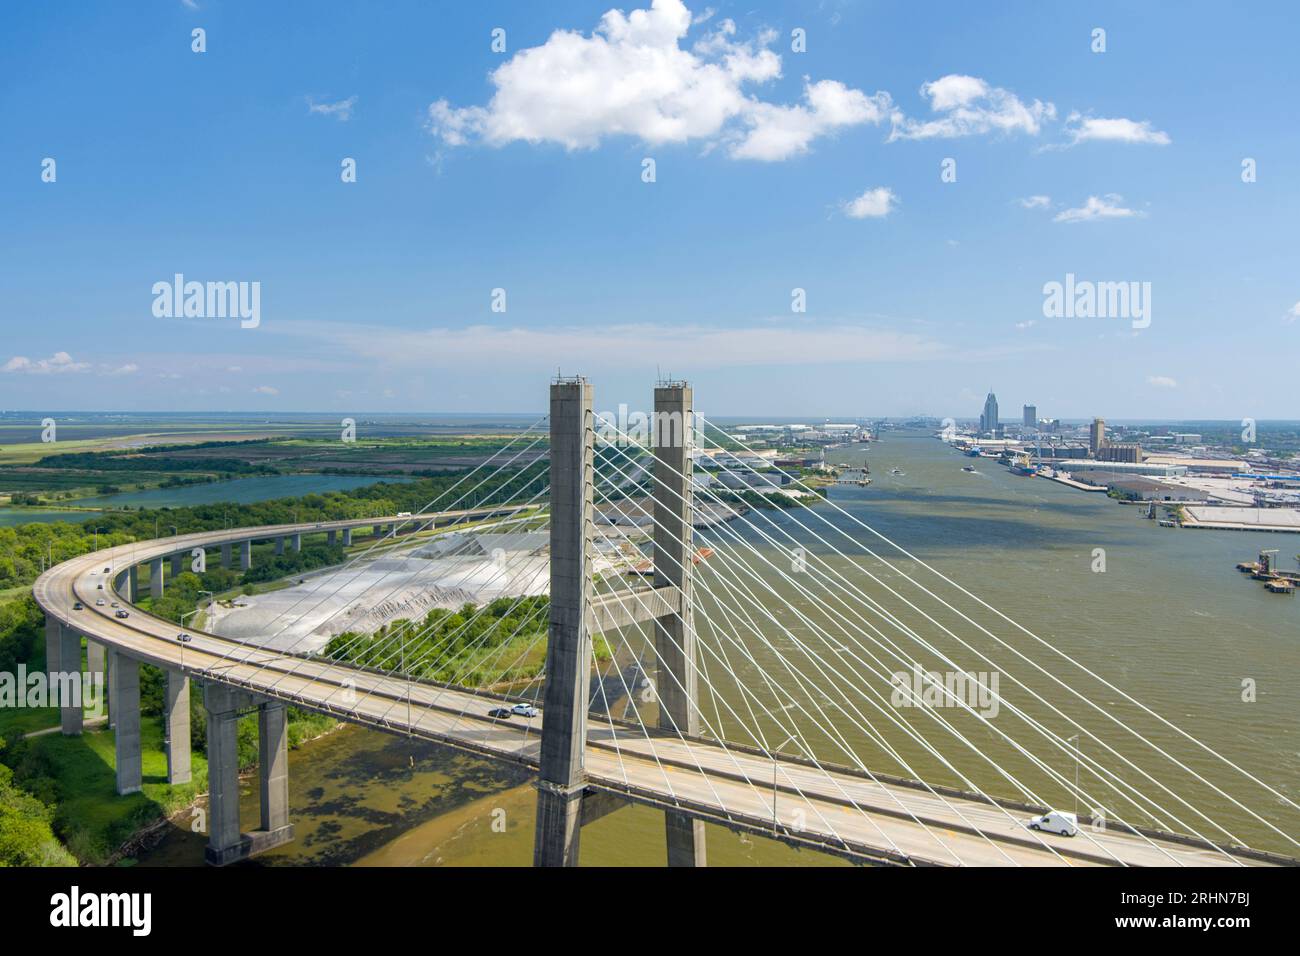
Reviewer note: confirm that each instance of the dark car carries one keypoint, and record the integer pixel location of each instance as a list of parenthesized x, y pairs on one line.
[(121, 614), (78, 606), (502, 712)]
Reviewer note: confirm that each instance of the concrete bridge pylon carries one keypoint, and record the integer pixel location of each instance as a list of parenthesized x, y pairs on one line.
[(564, 801)]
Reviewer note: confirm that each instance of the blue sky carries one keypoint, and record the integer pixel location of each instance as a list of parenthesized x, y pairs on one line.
[(775, 170)]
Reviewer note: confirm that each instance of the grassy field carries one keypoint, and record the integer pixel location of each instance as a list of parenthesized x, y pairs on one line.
[(91, 819)]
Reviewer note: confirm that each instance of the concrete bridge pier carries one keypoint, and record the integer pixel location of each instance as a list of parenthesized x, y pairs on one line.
[(225, 555), (226, 842), (96, 658), (156, 578), (568, 652), (127, 583), (176, 732), (279, 546), (178, 564), (52, 648), (97, 671), (68, 686), (331, 538), (124, 698), (273, 763), (677, 680), (297, 541), (347, 537), (224, 839), (246, 554)]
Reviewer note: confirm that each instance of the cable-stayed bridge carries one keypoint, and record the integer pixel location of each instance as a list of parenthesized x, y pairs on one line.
[(719, 663)]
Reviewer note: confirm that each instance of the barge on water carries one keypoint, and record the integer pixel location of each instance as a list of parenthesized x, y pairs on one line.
[(1275, 581)]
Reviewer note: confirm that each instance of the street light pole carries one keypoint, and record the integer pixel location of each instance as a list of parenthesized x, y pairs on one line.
[(1075, 740), (211, 597), (774, 753)]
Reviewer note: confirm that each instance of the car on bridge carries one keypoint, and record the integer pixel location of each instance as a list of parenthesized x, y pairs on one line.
[(122, 614), (100, 602), (1054, 821), (501, 712), (78, 606), (524, 710)]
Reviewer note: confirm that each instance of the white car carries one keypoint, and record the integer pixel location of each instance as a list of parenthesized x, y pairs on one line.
[(524, 710), (1054, 821)]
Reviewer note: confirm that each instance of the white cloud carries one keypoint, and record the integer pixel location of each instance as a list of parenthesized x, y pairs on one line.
[(57, 363), (969, 106), (1109, 206), (130, 368), (632, 77), (872, 204), (266, 390), (190, 4), (1083, 129), (1161, 381), (341, 111), (1035, 202), (1293, 313), (779, 132)]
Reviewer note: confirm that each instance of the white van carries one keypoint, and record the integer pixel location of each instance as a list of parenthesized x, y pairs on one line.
[(1054, 821)]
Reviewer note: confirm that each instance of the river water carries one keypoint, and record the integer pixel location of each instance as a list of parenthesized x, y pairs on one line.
[(1168, 622)]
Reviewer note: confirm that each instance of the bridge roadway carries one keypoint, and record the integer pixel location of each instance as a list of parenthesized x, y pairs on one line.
[(814, 808)]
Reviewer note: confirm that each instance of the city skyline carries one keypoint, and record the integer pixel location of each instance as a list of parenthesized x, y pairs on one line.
[(819, 175)]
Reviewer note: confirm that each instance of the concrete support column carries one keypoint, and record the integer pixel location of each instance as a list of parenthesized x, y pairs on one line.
[(347, 537), (108, 684), (156, 578), (279, 545), (124, 698), (568, 650), (224, 839), (176, 715), (246, 554), (127, 583), (52, 636), (677, 680), (331, 538), (225, 555), (97, 671), (96, 658), (273, 764), (178, 564), (69, 684), (297, 541)]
